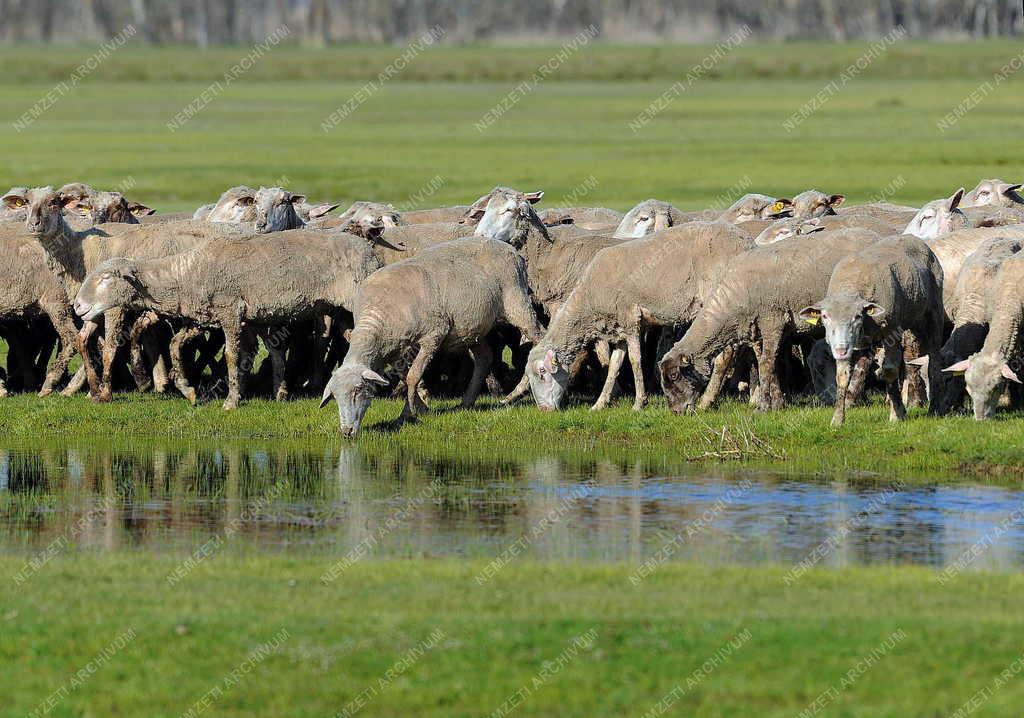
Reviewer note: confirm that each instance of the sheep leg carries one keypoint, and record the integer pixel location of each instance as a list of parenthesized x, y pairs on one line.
[(232, 349), (516, 394), (321, 344), (60, 317), (519, 313), (770, 398), (178, 367), (483, 357), (889, 372), (843, 370), (633, 345), (82, 343), (615, 360), (138, 369), (76, 383), (277, 360), (113, 320), (915, 392), (719, 369), (413, 402)]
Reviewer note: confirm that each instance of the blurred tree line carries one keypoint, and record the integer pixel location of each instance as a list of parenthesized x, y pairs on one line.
[(318, 22)]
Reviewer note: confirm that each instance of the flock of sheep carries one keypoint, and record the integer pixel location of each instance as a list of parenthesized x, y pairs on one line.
[(773, 297)]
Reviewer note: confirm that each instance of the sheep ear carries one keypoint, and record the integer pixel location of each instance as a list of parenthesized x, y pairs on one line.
[(297, 198), (371, 376), (875, 311), (14, 201), (140, 210), (959, 368), (534, 197), (246, 200), (318, 211), (920, 361), (954, 201), (811, 314), (836, 199), (328, 394), (550, 361), (1008, 373), (1007, 188), (475, 213)]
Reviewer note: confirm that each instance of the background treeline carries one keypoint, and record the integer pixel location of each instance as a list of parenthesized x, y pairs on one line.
[(318, 22)]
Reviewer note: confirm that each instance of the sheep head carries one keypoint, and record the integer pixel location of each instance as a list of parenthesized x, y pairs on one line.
[(237, 204), (114, 283), (506, 216), (549, 377), (683, 379), (751, 207), (651, 215), (275, 210), (993, 192), (984, 375), (844, 316), (353, 387), (938, 217), (813, 203)]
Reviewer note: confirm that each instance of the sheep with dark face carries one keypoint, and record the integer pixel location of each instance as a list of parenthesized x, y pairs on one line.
[(447, 297), (874, 297), (993, 192)]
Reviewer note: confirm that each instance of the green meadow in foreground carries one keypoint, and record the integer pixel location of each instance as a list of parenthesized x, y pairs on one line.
[(240, 636), (797, 439)]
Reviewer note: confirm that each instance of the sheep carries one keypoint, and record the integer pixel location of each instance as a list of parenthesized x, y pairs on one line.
[(757, 206), (953, 250), (656, 281), (445, 298), (993, 192), (28, 289), (73, 253), (365, 217), (938, 217), (756, 302), (972, 307), (784, 229), (651, 215), (238, 204), (234, 283), (892, 287), (813, 203)]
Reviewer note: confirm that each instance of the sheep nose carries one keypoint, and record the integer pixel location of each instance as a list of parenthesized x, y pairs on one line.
[(348, 432), (81, 308), (840, 351)]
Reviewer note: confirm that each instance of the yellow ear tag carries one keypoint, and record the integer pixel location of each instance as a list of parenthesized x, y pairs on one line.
[(84, 211), (811, 320), (777, 207), (19, 202)]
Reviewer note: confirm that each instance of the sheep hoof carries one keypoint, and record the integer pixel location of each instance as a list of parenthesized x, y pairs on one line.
[(230, 405), (190, 394), (282, 395), (45, 391), (599, 405)]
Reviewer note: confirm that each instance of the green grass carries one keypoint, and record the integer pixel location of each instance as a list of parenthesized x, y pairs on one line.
[(724, 129), (946, 642), (923, 449)]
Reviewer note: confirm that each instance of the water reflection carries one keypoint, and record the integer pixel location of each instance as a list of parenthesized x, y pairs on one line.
[(320, 502)]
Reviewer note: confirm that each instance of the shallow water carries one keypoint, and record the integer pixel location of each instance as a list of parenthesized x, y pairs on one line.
[(348, 503)]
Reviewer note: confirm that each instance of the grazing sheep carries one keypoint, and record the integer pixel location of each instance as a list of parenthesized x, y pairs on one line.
[(813, 203), (234, 283), (651, 215), (972, 306), (875, 296), (993, 192), (756, 301), (366, 217), (447, 297), (656, 281)]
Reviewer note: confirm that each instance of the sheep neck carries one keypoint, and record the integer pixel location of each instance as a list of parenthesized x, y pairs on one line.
[(370, 343)]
